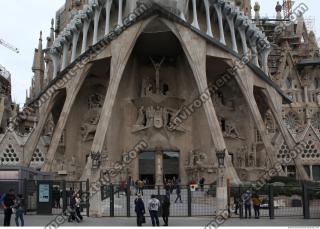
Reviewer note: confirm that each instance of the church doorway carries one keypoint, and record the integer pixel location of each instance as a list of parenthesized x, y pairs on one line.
[(157, 166), (171, 165), (147, 167)]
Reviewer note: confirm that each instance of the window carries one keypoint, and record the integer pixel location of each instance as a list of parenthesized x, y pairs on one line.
[(316, 172)]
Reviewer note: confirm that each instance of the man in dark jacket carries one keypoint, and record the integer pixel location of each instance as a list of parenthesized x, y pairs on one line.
[(165, 210), (7, 204), (139, 209)]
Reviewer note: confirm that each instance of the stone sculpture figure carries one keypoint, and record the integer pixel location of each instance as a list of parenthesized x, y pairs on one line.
[(141, 117)]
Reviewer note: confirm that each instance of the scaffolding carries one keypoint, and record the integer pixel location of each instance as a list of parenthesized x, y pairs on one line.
[(287, 8)]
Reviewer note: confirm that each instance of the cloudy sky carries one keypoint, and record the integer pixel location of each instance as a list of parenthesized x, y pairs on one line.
[(22, 20)]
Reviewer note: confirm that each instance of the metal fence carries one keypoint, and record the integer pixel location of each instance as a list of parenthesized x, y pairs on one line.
[(283, 201), (59, 194), (118, 200)]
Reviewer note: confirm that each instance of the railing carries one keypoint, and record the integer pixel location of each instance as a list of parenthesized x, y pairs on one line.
[(276, 201)]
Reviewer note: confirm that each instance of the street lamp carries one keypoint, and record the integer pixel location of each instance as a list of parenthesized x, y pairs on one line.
[(221, 155)]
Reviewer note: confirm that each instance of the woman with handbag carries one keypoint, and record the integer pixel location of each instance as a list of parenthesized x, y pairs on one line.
[(140, 210)]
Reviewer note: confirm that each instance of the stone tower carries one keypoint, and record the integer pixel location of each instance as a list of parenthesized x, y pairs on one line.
[(245, 6)]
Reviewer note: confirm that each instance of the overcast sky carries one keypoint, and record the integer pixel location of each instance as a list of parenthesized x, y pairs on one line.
[(22, 20)]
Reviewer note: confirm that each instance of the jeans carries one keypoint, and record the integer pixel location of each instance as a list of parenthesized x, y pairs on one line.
[(139, 219), (256, 211), (165, 219), (154, 218), (7, 217), (19, 215), (178, 198), (247, 209), (78, 213)]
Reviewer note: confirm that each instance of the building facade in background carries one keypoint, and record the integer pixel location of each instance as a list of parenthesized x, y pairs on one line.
[(155, 90)]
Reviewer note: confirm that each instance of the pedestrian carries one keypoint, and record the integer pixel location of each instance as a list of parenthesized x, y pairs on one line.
[(167, 188), (140, 187), (19, 209), (78, 206), (72, 210), (8, 200), (178, 191), (256, 205), (140, 210), (201, 183), (237, 203), (246, 199), (154, 206), (165, 210)]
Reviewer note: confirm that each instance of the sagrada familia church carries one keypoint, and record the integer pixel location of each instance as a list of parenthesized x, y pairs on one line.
[(157, 88)]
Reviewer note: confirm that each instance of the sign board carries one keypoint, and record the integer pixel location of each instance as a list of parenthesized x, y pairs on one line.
[(44, 190)]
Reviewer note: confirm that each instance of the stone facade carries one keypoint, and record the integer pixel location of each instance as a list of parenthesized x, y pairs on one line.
[(173, 75)]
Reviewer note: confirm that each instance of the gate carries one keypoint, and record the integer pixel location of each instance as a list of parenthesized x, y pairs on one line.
[(48, 196)]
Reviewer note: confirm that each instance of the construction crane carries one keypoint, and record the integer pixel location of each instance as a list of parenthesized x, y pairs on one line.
[(9, 46), (287, 8)]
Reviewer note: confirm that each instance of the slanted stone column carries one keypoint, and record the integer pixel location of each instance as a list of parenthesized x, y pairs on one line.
[(56, 58), (121, 49), (159, 167), (230, 13), (271, 96), (208, 20), (97, 13), (246, 87), (217, 7), (72, 94), (195, 50), (108, 11), (120, 23), (195, 15), (75, 39), (85, 30), (64, 55)]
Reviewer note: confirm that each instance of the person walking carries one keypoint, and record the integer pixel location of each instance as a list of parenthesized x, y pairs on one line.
[(178, 191), (19, 208), (165, 210), (246, 199), (256, 205), (8, 200), (78, 206), (201, 183), (140, 187), (153, 207), (140, 210), (72, 210)]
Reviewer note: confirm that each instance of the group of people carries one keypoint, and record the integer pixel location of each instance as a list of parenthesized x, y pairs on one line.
[(12, 204), (154, 207), (245, 200)]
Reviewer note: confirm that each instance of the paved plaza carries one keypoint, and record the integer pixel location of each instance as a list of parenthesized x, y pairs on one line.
[(41, 220)]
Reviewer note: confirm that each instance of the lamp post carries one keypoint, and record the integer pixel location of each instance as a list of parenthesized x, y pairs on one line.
[(222, 190)]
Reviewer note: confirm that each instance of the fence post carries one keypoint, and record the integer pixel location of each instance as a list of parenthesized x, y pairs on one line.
[(158, 190), (305, 201), (128, 200), (240, 203), (111, 200), (88, 197), (189, 201), (25, 195), (271, 207), (64, 196)]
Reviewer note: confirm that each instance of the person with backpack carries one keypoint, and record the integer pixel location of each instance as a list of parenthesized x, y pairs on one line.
[(165, 210), (256, 205), (8, 201), (154, 206), (140, 210), (19, 209)]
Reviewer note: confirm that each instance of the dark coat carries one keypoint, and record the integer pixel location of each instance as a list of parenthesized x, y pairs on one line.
[(165, 206), (139, 206)]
